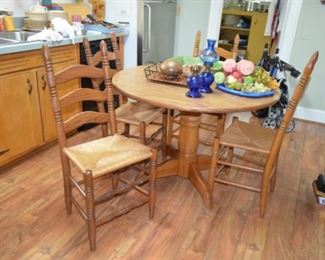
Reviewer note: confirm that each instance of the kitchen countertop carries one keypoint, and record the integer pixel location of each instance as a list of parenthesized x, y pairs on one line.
[(28, 46)]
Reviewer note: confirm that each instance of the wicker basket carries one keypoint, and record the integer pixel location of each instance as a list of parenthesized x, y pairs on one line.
[(35, 25)]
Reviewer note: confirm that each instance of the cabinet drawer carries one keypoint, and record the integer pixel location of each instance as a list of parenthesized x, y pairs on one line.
[(33, 59)]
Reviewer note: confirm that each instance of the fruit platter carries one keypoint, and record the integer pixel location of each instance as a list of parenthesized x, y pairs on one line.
[(243, 79)]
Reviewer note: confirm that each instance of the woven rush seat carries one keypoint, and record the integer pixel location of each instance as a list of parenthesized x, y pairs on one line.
[(251, 137), (107, 154), (135, 113)]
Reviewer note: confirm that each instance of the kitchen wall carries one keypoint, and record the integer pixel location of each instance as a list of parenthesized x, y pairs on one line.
[(310, 36), (19, 6), (191, 17)]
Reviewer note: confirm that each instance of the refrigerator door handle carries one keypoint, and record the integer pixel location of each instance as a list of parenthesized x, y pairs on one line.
[(148, 36)]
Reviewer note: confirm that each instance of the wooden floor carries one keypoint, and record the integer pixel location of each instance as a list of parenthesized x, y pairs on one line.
[(34, 224)]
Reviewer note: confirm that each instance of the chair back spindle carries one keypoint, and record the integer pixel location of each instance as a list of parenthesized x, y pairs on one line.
[(108, 83), (196, 50)]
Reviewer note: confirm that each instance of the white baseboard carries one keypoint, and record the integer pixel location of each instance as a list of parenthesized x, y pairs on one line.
[(310, 114)]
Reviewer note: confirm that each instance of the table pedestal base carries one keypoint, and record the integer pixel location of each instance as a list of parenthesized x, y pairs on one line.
[(188, 164)]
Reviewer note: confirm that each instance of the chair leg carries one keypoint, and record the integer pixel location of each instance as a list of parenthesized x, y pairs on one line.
[(164, 135), (221, 124), (152, 183), (142, 135), (90, 207), (67, 183), (114, 181), (265, 189), (213, 167), (230, 154), (127, 130), (170, 127)]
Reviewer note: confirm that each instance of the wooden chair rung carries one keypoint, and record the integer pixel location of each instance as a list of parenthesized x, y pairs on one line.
[(137, 187), (121, 212), (246, 187), (247, 168), (77, 186), (79, 209)]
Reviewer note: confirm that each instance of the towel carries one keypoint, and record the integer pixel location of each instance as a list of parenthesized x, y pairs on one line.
[(46, 35)]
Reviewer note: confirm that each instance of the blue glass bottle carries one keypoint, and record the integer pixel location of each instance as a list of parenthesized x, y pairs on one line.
[(207, 79), (194, 83), (208, 56)]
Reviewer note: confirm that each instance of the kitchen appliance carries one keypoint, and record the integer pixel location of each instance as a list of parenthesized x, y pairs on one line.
[(156, 30)]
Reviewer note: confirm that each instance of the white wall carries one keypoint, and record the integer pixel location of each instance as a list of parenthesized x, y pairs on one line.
[(309, 37), (125, 11), (193, 15), (17, 6)]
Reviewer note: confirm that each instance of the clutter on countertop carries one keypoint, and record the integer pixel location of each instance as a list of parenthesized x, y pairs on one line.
[(46, 35)]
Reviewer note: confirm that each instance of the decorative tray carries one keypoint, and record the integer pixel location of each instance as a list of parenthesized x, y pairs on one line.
[(152, 72), (245, 94)]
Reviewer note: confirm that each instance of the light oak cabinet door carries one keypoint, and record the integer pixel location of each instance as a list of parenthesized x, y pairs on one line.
[(49, 128), (20, 118), (257, 39)]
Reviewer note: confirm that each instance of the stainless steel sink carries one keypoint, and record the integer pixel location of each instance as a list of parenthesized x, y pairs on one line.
[(14, 37)]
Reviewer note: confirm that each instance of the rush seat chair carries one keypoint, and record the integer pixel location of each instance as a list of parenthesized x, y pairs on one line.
[(136, 114), (101, 159), (258, 140)]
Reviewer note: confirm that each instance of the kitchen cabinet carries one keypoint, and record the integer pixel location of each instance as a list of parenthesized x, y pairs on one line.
[(20, 120), (26, 117), (252, 38)]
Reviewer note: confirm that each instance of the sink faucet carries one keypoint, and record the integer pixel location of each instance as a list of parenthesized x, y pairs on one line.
[(5, 12)]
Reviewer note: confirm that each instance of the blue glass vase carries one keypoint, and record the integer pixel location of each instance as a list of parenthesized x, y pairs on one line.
[(208, 56), (194, 83), (207, 79)]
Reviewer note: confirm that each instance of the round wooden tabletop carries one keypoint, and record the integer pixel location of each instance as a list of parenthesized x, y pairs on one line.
[(133, 84)]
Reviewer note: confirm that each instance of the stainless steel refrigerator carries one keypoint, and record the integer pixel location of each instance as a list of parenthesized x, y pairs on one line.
[(156, 30)]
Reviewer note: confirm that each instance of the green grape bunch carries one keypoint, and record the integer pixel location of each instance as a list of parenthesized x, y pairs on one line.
[(261, 76)]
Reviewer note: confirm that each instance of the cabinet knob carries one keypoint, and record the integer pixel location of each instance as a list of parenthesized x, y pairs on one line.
[(30, 86), (44, 82), (4, 150)]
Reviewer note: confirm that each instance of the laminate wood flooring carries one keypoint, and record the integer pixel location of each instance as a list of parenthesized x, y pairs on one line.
[(34, 223)]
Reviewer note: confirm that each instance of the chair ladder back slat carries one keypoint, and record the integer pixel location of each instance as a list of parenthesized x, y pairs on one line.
[(85, 117), (297, 95), (78, 71), (83, 94), (54, 96), (109, 87), (229, 54), (196, 50)]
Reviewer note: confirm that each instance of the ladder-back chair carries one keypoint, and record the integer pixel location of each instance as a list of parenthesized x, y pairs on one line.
[(136, 114), (102, 158), (255, 139)]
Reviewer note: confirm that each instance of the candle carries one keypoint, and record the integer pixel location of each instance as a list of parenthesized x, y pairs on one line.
[(215, 19)]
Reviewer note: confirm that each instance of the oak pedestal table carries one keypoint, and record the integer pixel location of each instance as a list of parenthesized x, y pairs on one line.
[(186, 162)]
